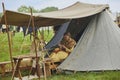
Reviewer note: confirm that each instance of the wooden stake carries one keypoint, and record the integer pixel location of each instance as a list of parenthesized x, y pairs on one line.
[(9, 41), (42, 56), (34, 35)]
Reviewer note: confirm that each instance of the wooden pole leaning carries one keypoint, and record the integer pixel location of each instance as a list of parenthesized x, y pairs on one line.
[(34, 35), (9, 41), (43, 55)]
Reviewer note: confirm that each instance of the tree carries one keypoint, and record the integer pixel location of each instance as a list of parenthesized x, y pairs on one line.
[(23, 9), (48, 9), (26, 9)]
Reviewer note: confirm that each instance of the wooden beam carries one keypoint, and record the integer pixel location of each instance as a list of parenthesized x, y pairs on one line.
[(9, 41), (34, 36)]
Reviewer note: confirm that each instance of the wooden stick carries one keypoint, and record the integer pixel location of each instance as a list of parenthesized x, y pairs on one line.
[(43, 60), (13, 75), (9, 41), (44, 68), (34, 35)]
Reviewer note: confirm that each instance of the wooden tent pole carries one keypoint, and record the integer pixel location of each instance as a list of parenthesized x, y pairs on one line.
[(34, 35), (9, 41), (43, 53)]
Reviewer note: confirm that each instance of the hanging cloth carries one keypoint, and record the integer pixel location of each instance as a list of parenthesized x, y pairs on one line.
[(58, 36)]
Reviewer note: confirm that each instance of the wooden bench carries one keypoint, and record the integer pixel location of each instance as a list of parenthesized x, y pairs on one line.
[(50, 66), (3, 67)]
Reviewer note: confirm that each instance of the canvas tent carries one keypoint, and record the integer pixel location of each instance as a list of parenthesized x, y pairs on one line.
[(91, 26), (98, 47)]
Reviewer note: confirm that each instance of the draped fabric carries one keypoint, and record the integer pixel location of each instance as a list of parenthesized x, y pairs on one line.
[(28, 30), (58, 36)]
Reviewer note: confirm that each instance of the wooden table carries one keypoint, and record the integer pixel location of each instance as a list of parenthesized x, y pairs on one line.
[(17, 62)]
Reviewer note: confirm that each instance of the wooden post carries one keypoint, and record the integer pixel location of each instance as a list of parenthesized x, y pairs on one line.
[(34, 35), (42, 56), (44, 68), (9, 41)]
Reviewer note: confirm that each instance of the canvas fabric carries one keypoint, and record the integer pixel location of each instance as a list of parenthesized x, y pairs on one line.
[(98, 48)]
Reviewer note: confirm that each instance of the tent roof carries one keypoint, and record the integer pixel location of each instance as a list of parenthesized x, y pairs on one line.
[(77, 10)]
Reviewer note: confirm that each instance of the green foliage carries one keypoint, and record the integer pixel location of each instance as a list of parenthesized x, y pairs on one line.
[(48, 35), (1, 15), (48, 9), (26, 9), (23, 8)]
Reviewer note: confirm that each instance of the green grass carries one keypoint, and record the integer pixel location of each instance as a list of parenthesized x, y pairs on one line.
[(107, 75), (20, 44)]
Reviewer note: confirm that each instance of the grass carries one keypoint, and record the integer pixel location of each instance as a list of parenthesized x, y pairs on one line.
[(107, 75), (21, 45), (18, 47)]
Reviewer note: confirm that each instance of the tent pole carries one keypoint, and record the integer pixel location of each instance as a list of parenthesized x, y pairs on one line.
[(9, 41), (34, 35), (43, 53)]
